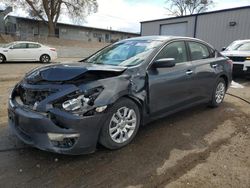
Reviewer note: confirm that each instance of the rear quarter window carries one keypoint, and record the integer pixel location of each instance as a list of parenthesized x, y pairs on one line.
[(198, 51)]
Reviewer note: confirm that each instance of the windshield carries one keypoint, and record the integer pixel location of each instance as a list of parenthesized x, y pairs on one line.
[(7, 45), (239, 46), (126, 53)]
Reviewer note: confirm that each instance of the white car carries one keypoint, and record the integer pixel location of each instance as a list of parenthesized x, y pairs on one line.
[(239, 53), (27, 51)]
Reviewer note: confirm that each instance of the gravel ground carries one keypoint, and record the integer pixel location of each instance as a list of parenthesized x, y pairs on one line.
[(199, 147)]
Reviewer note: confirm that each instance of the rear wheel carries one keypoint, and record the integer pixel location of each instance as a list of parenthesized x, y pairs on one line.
[(2, 58), (121, 126), (218, 93), (45, 58)]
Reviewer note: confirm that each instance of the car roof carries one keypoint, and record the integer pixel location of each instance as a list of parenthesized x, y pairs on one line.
[(242, 41), (162, 38), (166, 38), (16, 42)]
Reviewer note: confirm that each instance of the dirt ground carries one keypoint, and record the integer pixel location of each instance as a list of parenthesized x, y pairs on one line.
[(199, 147)]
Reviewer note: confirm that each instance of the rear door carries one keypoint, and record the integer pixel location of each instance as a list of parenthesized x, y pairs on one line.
[(205, 66), (171, 88), (34, 50)]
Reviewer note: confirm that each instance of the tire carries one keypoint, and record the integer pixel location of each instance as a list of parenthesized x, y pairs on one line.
[(218, 93), (2, 58), (45, 58), (116, 131)]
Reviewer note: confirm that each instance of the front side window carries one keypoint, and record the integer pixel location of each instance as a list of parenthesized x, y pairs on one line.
[(32, 45), (7, 45), (125, 53), (20, 46), (198, 51), (176, 50)]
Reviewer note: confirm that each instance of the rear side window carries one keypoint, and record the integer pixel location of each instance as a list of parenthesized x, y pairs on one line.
[(176, 50), (20, 46), (198, 51), (31, 45)]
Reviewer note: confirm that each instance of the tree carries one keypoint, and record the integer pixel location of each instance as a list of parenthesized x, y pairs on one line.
[(50, 11), (188, 7)]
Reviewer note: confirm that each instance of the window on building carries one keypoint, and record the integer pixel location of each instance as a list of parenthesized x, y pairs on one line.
[(97, 35), (107, 37)]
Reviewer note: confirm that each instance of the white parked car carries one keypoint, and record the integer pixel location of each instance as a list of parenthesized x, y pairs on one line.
[(239, 53), (27, 51)]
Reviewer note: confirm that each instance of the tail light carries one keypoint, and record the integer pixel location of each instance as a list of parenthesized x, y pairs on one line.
[(53, 49), (230, 62)]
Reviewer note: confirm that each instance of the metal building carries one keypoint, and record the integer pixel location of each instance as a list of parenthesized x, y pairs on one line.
[(27, 28), (219, 28)]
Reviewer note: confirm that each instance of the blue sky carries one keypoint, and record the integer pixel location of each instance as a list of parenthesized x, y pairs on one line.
[(126, 14)]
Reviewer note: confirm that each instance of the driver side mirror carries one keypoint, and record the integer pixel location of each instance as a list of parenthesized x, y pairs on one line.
[(223, 49), (164, 63)]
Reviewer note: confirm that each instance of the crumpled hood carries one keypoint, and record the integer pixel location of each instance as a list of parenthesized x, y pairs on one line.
[(236, 53), (69, 71)]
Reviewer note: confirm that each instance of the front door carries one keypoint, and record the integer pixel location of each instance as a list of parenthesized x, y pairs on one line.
[(171, 88), (18, 52)]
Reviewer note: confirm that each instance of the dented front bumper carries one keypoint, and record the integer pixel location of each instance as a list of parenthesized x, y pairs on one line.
[(34, 128)]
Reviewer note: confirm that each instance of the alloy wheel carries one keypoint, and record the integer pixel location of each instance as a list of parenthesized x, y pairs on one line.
[(220, 92), (1, 59), (45, 58), (122, 125)]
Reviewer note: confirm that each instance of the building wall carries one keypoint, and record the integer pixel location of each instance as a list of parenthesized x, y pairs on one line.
[(214, 28), (153, 28), (25, 29), (2, 28), (3, 13)]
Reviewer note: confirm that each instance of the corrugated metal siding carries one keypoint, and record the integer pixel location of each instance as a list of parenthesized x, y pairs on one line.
[(215, 29), (153, 28), (175, 29)]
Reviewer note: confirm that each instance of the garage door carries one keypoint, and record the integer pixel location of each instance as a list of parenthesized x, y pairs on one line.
[(178, 29)]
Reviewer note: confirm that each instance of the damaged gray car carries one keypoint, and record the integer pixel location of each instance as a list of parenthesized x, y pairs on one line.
[(69, 108)]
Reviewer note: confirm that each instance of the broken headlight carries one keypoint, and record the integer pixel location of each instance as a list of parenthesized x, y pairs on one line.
[(75, 104), (79, 102)]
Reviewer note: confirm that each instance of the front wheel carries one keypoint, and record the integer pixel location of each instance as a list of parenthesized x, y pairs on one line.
[(2, 58), (122, 124), (218, 93), (45, 58)]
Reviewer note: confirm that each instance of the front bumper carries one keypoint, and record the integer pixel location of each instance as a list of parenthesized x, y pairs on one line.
[(33, 128), (53, 56), (241, 68)]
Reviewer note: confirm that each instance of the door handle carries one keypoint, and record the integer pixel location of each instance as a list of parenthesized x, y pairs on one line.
[(189, 72), (215, 66)]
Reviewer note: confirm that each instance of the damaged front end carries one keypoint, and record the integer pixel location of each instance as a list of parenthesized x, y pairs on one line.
[(63, 113)]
